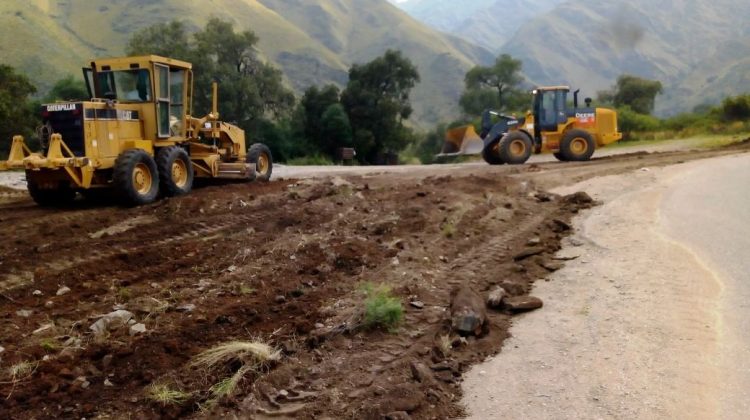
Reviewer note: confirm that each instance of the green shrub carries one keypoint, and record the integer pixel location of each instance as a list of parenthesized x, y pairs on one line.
[(382, 310), (316, 159)]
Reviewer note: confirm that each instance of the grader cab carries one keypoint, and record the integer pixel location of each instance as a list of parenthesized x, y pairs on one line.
[(136, 137)]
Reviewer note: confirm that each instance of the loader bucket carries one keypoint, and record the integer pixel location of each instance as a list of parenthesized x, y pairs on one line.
[(462, 141)]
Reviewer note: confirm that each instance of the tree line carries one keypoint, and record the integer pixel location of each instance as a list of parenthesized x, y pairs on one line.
[(368, 114)]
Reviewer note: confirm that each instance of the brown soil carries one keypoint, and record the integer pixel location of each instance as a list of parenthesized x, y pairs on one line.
[(284, 262)]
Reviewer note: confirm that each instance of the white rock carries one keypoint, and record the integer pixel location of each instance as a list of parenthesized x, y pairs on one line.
[(24, 313), (110, 321), (37, 293), (48, 304), (108, 383), (188, 307), (43, 328), (2, 349), (63, 290), (137, 329)]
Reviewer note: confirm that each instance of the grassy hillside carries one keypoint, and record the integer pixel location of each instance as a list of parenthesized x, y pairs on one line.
[(489, 23), (698, 49), (314, 42)]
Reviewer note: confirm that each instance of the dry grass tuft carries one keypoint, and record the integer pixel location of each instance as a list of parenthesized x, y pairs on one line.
[(252, 353), (165, 395)]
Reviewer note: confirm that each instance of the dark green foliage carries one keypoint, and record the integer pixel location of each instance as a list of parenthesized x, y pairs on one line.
[(377, 101), (736, 108), (637, 93), (494, 87), (629, 121), (251, 92), (68, 88), (321, 137), (18, 114), (335, 129)]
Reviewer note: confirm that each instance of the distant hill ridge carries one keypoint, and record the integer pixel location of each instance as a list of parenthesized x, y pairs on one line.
[(699, 49)]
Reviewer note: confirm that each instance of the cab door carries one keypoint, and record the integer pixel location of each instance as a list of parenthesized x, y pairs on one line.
[(170, 101)]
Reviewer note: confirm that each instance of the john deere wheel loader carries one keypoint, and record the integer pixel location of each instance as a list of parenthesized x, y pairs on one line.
[(571, 134), (136, 136)]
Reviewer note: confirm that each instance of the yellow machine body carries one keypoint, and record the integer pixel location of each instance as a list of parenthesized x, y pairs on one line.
[(138, 103), (551, 126)]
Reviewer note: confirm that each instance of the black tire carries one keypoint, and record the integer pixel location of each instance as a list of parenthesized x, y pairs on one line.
[(577, 145), (175, 171), (490, 154), (260, 155), (59, 197), (515, 148), (135, 178), (559, 156)]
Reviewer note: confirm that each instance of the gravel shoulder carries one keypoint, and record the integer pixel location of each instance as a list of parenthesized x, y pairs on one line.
[(635, 326)]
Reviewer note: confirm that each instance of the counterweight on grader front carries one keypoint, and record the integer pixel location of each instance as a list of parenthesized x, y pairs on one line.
[(570, 133), (136, 136)]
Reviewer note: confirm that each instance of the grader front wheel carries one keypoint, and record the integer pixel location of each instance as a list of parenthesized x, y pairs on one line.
[(260, 155)]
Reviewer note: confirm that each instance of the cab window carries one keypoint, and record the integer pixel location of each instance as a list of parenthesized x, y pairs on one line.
[(124, 85)]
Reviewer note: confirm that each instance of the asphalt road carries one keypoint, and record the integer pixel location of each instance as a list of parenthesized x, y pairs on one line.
[(651, 320), (708, 210)]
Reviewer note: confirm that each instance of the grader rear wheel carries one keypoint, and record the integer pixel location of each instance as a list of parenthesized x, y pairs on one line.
[(175, 171), (135, 178), (60, 196)]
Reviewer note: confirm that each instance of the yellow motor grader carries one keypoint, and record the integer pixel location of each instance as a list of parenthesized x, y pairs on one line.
[(136, 136), (570, 133)]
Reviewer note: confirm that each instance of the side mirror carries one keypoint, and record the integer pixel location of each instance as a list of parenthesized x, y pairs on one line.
[(588, 102)]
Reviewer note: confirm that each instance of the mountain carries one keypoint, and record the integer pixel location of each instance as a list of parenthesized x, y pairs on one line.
[(489, 23), (312, 41), (697, 48)]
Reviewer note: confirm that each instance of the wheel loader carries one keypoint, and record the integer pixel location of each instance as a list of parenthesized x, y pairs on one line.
[(570, 133), (136, 137)]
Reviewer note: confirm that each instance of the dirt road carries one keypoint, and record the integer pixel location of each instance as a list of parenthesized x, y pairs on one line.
[(650, 321), (285, 263)]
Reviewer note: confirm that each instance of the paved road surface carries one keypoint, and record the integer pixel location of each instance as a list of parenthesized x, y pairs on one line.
[(651, 321)]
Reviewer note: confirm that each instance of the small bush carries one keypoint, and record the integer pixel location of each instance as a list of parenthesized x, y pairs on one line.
[(318, 160), (448, 230), (382, 310)]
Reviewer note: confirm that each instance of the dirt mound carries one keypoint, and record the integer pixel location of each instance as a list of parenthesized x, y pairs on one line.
[(284, 262)]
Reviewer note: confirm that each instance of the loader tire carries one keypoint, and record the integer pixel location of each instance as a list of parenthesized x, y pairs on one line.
[(260, 155), (175, 171), (559, 156), (515, 148), (135, 178), (490, 154), (577, 145), (59, 197)]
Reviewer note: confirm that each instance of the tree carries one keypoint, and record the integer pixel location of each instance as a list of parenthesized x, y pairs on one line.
[(251, 92), (165, 39), (68, 88), (309, 114), (335, 129), (637, 93), (376, 100), (495, 87), (17, 111)]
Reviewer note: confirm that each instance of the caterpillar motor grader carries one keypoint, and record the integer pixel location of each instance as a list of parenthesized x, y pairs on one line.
[(571, 134), (136, 137)]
